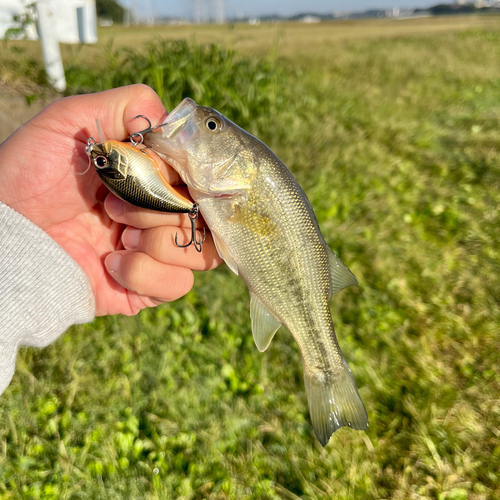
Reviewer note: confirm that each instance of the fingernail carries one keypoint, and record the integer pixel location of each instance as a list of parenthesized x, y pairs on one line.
[(131, 237), (114, 206), (112, 262), (158, 300)]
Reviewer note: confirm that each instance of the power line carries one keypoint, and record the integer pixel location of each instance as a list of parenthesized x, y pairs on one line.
[(206, 10)]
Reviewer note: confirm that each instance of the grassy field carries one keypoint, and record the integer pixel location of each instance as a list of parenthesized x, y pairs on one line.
[(392, 128)]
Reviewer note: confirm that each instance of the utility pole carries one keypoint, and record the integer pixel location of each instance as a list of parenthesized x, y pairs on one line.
[(50, 44), (200, 11), (220, 11), (148, 11), (139, 12), (196, 11)]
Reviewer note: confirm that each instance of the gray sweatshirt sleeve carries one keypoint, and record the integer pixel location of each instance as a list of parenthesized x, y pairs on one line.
[(43, 290)]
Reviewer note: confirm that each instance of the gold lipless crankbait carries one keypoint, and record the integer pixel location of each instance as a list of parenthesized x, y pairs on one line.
[(134, 176)]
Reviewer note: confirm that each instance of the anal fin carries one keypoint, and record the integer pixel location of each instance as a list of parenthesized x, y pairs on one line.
[(340, 275), (264, 324)]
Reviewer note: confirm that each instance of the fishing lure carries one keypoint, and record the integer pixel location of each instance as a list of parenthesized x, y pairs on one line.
[(134, 176)]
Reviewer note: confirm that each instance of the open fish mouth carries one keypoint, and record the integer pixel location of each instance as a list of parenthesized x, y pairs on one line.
[(178, 118), (173, 134)]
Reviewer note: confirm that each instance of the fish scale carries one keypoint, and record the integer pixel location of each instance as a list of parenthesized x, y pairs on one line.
[(265, 229)]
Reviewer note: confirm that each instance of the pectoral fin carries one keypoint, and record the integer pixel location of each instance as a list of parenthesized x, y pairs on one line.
[(224, 254), (264, 324), (340, 275), (227, 185)]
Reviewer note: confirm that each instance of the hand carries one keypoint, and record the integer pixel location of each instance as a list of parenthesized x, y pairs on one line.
[(38, 178)]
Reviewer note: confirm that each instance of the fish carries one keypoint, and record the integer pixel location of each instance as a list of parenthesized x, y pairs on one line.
[(265, 229), (134, 176)]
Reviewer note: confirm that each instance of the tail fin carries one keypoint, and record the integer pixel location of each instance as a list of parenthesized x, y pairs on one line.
[(334, 402)]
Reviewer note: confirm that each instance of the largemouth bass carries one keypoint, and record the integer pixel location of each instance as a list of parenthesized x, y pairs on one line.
[(133, 175), (265, 229)]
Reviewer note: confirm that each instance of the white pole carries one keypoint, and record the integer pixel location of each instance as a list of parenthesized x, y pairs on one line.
[(50, 44), (150, 17), (220, 12), (197, 11)]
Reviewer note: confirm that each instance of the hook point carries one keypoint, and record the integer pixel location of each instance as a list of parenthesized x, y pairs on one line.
[(193, 215)]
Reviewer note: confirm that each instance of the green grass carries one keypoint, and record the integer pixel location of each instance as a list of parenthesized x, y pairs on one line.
[(395, 140)]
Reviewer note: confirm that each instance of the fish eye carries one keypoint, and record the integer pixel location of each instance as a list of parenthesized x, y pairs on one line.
[(213, 124), (100, 161)]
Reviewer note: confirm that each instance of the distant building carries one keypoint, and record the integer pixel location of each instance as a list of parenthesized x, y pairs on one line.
[(75, 21), (399, 13), (105, 22), (205, 11), (310, 19)]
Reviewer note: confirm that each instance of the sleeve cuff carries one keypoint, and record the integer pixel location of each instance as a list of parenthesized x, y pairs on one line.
[(43, 290)]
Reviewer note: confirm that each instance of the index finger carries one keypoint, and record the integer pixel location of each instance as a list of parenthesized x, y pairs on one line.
[(117, 112), (115, 109)]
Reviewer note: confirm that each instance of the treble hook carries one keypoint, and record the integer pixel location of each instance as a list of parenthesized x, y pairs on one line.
[(193, 215), (141, 133), (91, 142)]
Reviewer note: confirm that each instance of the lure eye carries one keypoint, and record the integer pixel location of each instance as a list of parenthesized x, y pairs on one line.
[(100, 161), (213, 124)]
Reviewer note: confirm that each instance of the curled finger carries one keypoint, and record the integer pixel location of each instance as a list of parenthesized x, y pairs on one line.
[(159, 243), (125, 213), (140, 273)]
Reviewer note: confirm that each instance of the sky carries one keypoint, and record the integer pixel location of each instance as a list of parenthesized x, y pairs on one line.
[(184, 8)]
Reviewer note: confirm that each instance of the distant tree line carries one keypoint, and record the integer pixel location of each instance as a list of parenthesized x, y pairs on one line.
[(444, 9), (109, 9)]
